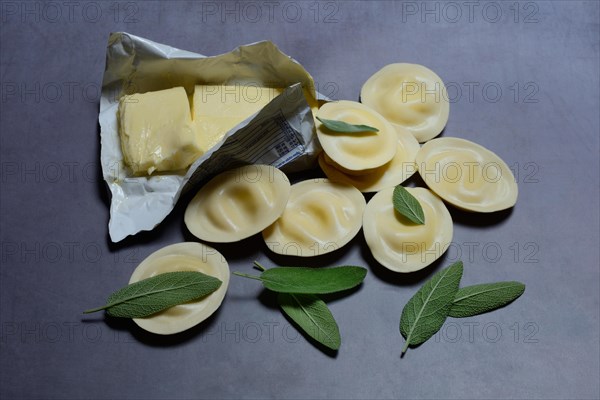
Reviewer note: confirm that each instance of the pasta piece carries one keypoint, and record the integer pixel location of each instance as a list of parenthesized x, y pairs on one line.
[(467, 175), (360, 150), (391, 174), (186, 256), (320, 217), (237, 204), (410, 96), (399, 244)]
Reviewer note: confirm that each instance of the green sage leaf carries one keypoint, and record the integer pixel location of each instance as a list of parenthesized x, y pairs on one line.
[(149, 296), (478, 299), (310, 280), (407, 205), (344, 127), (312, 316), (426, 311)]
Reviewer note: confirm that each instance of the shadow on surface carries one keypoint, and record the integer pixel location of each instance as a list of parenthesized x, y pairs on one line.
[(268, 299), (415, 181), (313, 173), (152, 339), (478, 220), (243, 250), (323, 260)]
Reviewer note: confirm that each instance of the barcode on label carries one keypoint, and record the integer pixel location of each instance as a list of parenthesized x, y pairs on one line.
[(290, 134), (282, 149)]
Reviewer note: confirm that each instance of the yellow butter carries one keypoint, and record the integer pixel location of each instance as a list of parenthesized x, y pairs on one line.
[(156, 131), (218, 108)]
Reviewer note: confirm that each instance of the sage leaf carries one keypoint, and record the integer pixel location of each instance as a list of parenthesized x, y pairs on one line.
[(149, 296), (310, 280), (407, 205), (344, 127), (426, 311), (312, 316), (478, 299)]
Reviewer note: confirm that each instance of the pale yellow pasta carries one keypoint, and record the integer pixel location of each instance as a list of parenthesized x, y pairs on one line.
[(320, 217), (187, 256), (399, 244), (467, 175), (410, 96), (359, 150), (237, 204), (391, 174)]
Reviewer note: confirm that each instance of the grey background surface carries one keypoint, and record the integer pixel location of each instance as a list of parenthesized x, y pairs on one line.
[(523, 78)]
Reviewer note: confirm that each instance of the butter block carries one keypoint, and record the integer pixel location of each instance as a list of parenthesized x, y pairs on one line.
[(157, 132), (218, 108)]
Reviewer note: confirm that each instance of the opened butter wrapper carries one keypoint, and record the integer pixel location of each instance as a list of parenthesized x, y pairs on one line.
[(280, 134)]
